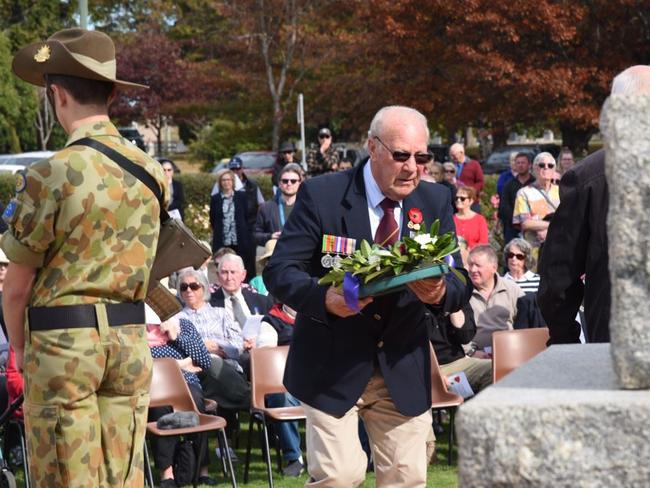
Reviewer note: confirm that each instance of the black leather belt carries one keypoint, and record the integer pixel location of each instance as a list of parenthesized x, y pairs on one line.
[(81, 316)]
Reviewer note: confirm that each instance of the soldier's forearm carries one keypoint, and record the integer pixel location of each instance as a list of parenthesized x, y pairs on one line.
[(16, 294)]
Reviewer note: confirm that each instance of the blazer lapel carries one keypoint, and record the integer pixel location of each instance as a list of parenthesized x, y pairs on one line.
[(412, 201), (356, 223)]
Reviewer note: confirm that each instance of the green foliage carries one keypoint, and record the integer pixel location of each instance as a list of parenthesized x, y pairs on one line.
[(7, 187), (370, 262), (197, 188), (224, 138), (265, 184)]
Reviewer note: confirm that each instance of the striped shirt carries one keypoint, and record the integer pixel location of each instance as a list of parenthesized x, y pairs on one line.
[(529, 282)]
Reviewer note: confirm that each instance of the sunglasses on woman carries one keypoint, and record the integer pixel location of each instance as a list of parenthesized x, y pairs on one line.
[(546, 165), (403, 156), (517, 255), (461, 199), (192, 286)]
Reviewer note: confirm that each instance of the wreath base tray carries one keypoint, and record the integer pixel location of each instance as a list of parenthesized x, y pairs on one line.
[(398, 282)]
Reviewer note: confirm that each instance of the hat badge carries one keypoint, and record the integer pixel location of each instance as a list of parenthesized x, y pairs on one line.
[(43, 54)]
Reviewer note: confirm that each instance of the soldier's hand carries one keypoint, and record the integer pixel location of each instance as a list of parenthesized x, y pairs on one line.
[(325, 145), (429, 290), (335, 303)]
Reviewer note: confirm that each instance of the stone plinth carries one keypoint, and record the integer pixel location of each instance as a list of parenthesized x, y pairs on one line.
[(625, 124), (559, 421)]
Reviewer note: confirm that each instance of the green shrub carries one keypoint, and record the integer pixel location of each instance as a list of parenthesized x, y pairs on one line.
[(197, 188), (7, 187), (265, 184)]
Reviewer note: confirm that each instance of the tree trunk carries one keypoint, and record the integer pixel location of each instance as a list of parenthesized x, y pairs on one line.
[(499, 135), (278, 116), (576, 139)]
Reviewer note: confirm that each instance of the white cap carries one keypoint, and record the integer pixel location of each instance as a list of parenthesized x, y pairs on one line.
[(3, 257)]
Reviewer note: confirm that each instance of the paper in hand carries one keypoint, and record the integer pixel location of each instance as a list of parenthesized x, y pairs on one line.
[(459, 385)]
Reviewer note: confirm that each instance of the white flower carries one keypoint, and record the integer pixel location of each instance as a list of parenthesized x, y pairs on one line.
[(423, 239)]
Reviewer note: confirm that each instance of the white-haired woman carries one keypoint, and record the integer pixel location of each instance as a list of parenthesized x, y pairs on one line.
[(519, 260), (224, 382), (536, 203)]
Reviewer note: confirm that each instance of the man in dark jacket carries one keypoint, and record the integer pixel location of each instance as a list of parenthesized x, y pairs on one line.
[(575, 260), (273, 214), (448, 333), (507, 202), (374, 364)]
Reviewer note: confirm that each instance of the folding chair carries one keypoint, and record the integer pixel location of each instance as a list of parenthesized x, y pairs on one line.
[(267, 371), (168, 387), (512, 348), (443, 399)]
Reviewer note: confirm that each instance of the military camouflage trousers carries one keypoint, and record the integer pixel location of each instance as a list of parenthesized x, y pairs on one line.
[(86, 401)]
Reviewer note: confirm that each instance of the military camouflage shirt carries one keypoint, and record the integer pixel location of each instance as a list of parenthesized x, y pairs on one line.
[(319, 163), (89, 227)]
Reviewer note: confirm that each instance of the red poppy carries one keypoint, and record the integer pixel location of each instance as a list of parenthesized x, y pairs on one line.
[(415, 215)]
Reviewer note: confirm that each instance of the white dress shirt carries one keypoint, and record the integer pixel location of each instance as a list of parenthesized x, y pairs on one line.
[(374, 196)]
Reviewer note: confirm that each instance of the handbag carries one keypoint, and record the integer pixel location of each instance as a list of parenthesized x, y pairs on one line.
[(177, 246)]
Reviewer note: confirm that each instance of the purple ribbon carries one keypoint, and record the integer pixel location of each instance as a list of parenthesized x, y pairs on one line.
[(449, 259), (351, 291)]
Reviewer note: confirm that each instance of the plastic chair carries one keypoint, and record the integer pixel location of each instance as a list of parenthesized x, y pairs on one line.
[(512, 348), (168, 387), (441, 398), (266, 373)]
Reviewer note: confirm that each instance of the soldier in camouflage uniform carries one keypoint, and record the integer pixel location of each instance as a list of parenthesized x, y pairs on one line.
[(81, 241), (324, 158)]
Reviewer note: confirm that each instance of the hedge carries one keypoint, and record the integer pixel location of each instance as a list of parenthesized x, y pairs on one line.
[(7, 187), (197, 188)]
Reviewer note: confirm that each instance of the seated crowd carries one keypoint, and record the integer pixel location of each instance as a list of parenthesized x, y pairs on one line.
[(227, 310)]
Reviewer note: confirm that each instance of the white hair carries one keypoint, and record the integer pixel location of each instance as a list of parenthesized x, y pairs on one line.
[(377, 124), (235, 258), (199, 277), (543, 156), (635, 80)]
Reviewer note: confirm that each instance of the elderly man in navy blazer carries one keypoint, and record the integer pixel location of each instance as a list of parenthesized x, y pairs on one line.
[(375, 363)]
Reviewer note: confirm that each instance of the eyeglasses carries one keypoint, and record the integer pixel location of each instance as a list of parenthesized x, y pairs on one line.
[(462, 199), (192, 286), (403, 156), (517, 255), (546, 165), (287, 181), (450, 171), (324, 136), (287, 152)]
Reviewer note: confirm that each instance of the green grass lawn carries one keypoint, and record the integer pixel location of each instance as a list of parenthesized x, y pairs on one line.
[(440, 474)]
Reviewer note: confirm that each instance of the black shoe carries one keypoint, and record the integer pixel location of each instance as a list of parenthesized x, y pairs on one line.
[(168, 483), (294, 469), (206, 480)]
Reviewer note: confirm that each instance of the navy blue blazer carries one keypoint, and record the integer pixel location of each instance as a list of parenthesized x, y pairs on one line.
[(257, 303), (331, 359), (244, 239)]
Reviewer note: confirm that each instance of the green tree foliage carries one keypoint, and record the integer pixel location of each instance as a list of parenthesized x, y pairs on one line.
[(9, 101)]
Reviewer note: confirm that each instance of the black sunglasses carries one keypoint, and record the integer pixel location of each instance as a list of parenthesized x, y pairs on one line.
[(286, 181), (403, 156), (324, 136), (546, 165), (517, 255), (462, 199), (450, 171), (192, 286)]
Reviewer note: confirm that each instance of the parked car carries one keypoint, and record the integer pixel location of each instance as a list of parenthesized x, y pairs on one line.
[(354, 152), (440, 152), (254, 162), (499, 160), (132, 134), (13, 163)]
